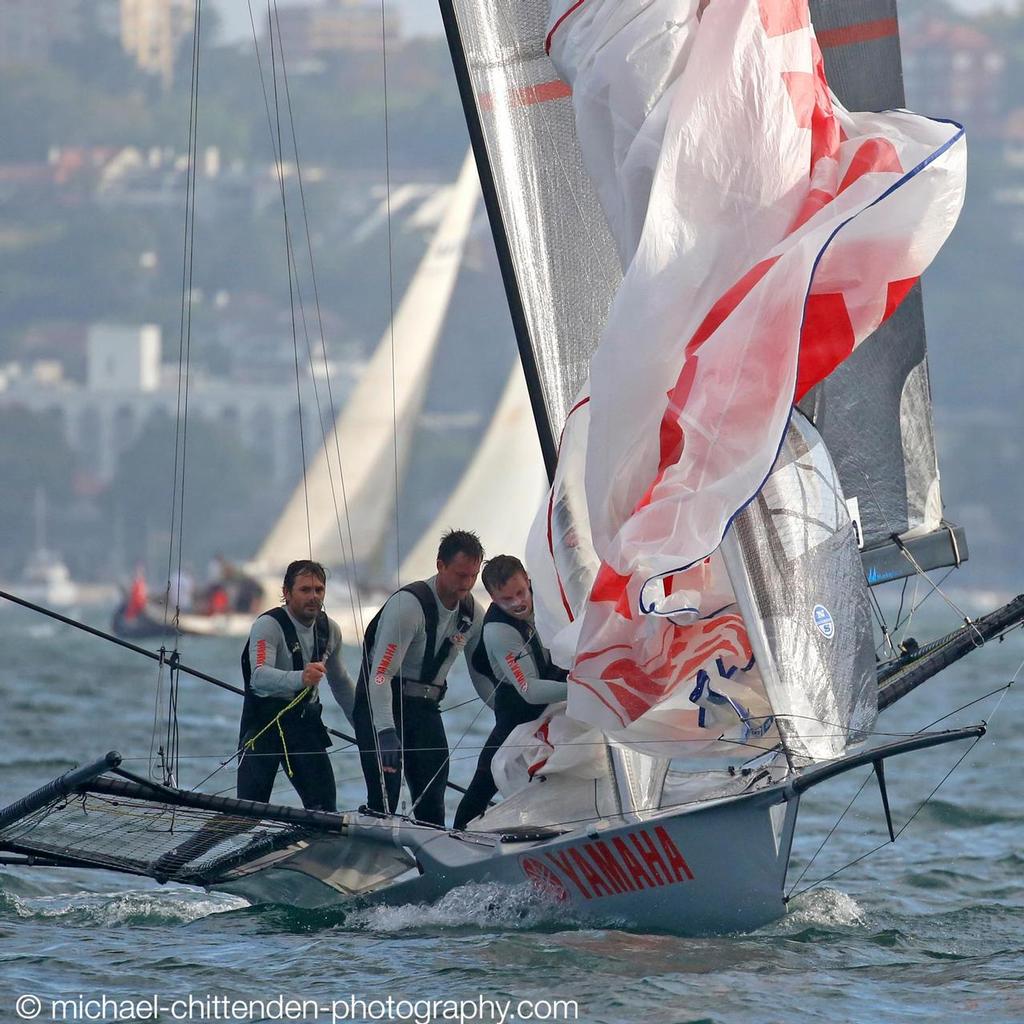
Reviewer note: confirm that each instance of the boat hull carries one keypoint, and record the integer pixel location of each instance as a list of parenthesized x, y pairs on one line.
[(706, 869)]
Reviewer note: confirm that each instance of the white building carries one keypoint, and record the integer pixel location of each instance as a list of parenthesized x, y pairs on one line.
[(127, 385)]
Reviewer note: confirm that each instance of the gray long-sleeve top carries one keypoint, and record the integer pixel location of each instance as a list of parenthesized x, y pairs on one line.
[(513, 663), (401, 641), (272, 672)]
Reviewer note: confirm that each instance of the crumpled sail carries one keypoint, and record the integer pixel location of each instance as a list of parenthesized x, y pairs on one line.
[(764, 232)]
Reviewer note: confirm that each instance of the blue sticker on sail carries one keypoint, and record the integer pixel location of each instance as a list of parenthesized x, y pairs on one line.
[(823, 620)]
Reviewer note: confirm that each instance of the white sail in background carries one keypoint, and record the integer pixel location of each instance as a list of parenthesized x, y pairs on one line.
[(500, 490), (374, 430)]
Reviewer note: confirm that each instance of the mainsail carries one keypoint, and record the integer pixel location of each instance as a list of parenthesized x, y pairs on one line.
[(374, 429), (557, 254)]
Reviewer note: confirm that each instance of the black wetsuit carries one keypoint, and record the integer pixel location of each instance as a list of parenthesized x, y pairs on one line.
[(301, 742), (415, 718), (510, 710)]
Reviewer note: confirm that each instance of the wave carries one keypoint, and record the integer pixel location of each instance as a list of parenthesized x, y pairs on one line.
[(119, 908), (820, 911), (941, 812), (486, 905)]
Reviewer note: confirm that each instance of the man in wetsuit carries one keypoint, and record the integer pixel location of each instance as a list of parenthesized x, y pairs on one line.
[(408, 650), (290, 650), (521, 669)]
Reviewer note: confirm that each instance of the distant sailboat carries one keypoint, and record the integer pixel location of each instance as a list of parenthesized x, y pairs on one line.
[(45, 578), (373, 432), (499, 491), (372, 437)]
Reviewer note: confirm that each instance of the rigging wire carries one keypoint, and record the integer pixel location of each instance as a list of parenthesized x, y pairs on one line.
[(348, 556), (1001, 691), (169, 752), (391, 274), (292, 269), (394, 427), (899, 832)]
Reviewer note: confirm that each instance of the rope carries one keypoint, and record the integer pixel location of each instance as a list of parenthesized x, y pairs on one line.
[(276, 144), (250, 744)]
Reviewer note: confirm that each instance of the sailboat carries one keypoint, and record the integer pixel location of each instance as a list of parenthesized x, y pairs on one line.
[(46, 578), (360, 488), (790, 686)]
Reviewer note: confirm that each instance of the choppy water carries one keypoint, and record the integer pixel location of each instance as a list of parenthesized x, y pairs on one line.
[(931, 929)]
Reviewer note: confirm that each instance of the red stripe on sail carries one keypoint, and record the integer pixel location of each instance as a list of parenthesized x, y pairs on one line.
[(802, 87), (826, 340), (728, 302), (780, 17), (896, 293), (610, 586), (875, 156), (529, 95), (614, 710), (865, 32)]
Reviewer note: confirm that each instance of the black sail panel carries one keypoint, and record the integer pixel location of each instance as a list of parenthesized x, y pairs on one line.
[(875, 411)]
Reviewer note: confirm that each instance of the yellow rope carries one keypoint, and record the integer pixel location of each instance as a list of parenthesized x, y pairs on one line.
[(276, 720)]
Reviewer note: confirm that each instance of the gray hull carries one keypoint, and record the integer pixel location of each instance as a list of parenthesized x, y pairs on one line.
[(715, 867)]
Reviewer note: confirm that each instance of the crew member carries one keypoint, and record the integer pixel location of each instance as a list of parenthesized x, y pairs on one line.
[(408, 650), (289, 652), (512, 656)]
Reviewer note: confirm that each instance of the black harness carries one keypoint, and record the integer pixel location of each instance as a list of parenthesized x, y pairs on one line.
[(302, 725), (432, 660), (507, 698)]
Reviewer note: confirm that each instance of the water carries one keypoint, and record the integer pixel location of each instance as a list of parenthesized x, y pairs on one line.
[(931, 929)]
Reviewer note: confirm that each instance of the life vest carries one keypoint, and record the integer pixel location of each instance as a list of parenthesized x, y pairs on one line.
[(302, 725), (508, 701), (137, 598), (432, 661)]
